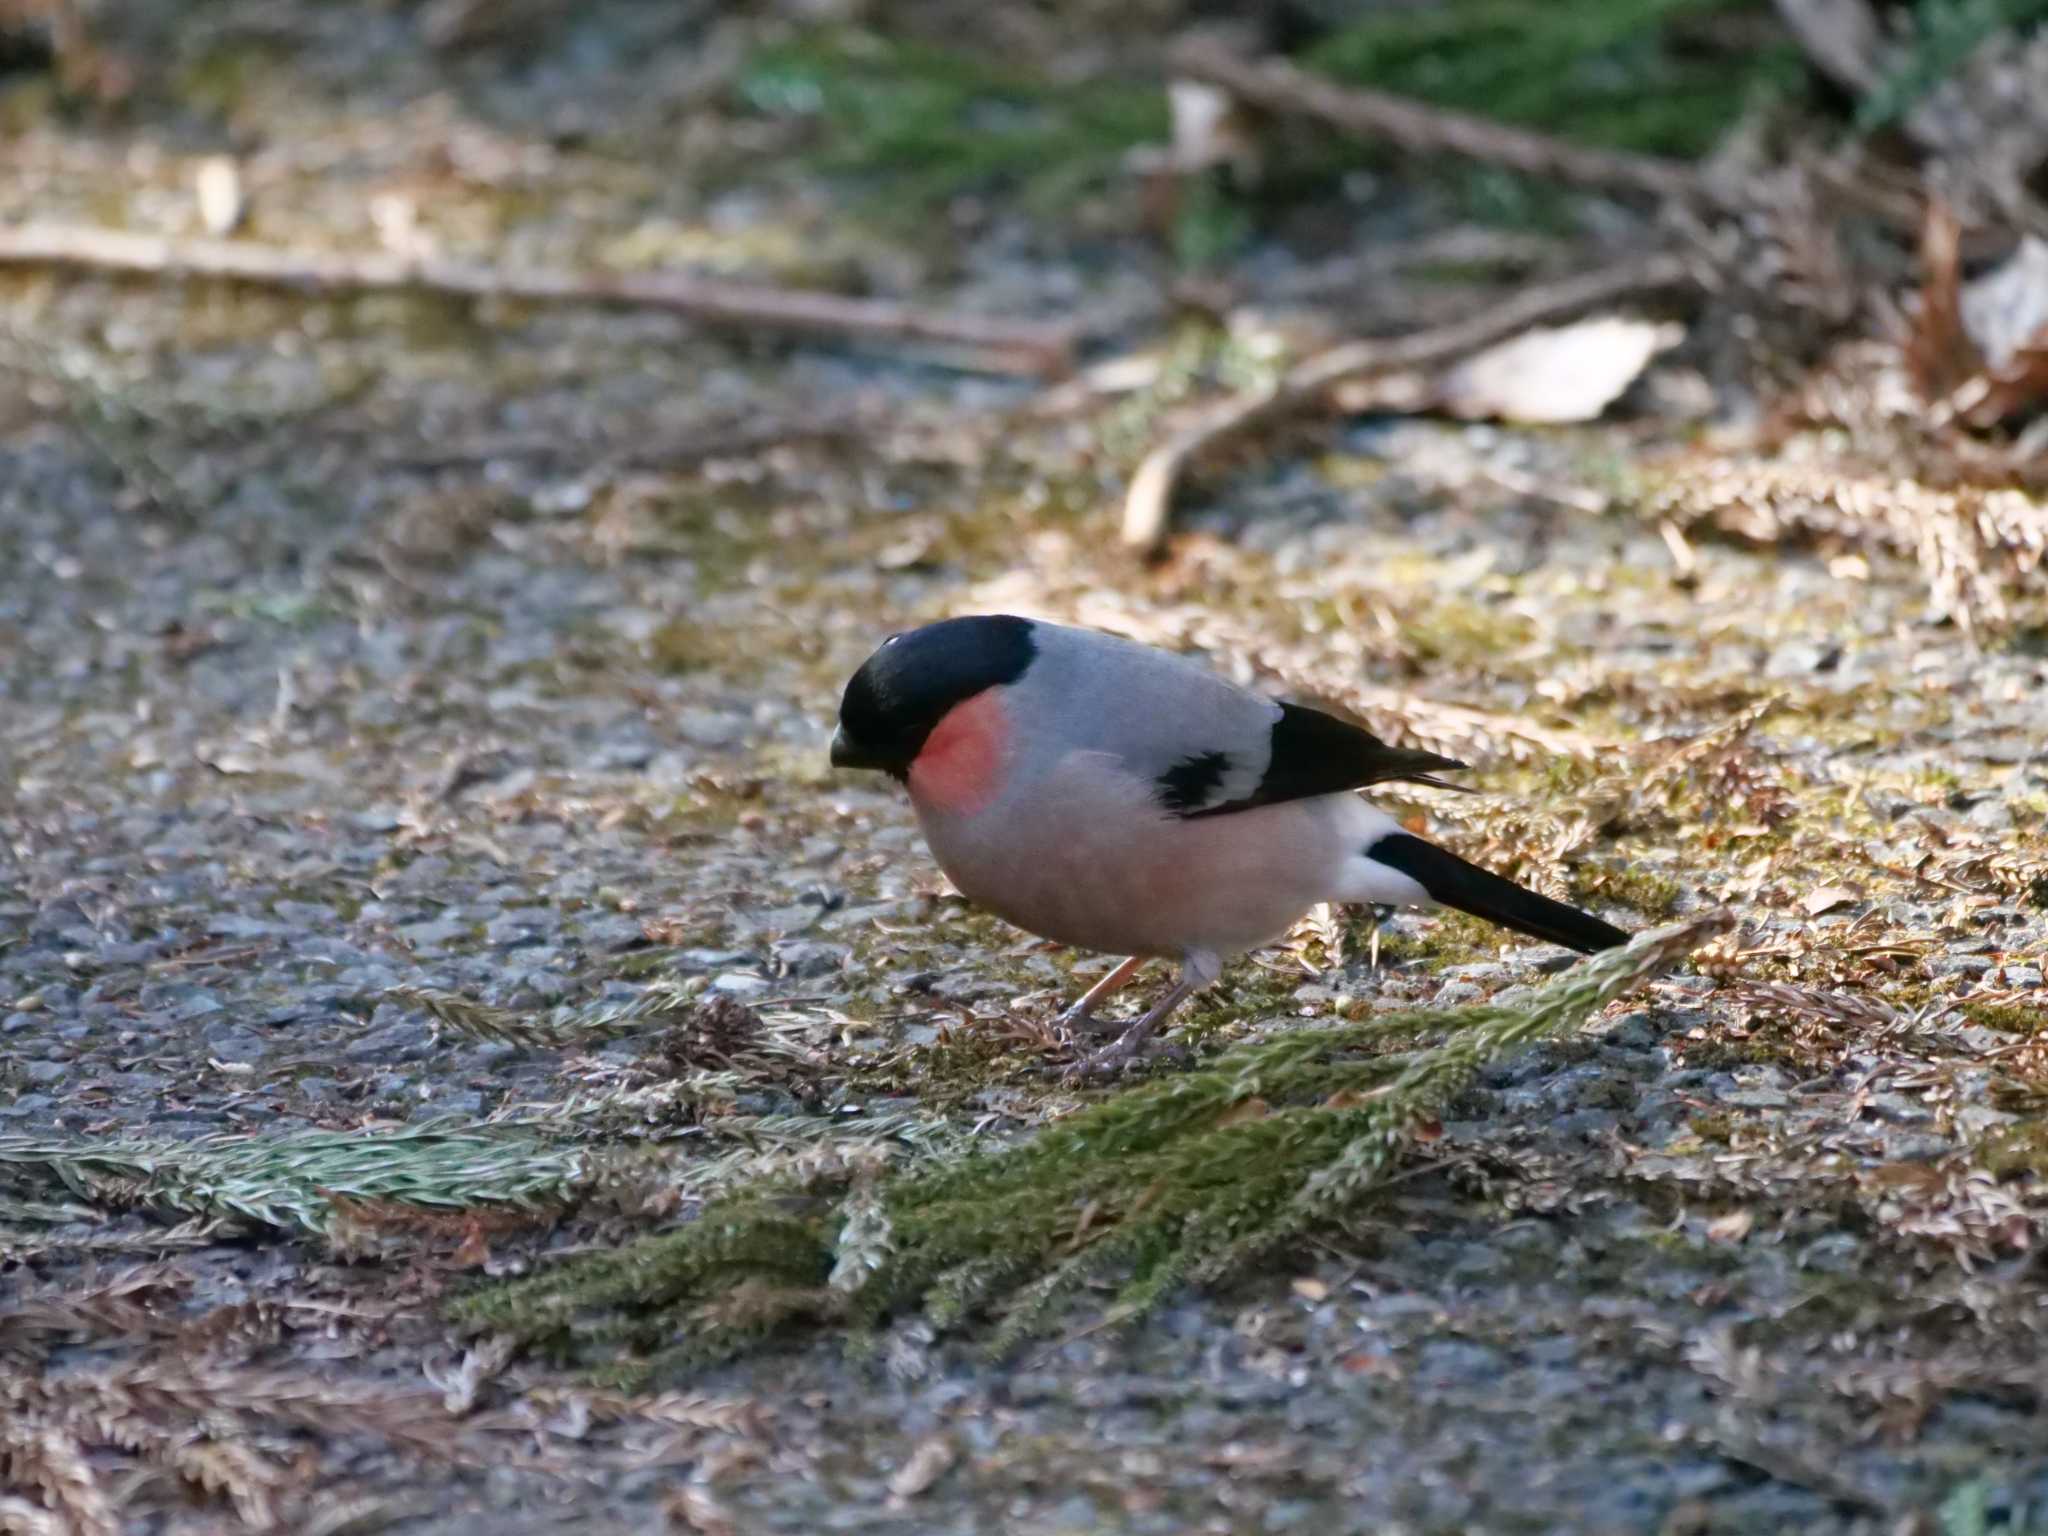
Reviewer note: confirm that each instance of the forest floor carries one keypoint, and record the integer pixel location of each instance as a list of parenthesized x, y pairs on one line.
[(357, 644)]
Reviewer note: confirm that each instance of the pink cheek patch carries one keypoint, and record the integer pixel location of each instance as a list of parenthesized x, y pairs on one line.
[(961, 766)]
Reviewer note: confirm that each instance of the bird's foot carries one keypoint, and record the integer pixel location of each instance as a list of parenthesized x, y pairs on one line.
[(1074, 1021), (1120, 1055)]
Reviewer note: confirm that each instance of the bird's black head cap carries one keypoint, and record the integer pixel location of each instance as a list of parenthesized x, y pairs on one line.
[(914, 678)]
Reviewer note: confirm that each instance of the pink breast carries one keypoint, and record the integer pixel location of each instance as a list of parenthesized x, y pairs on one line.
[(961, 766)]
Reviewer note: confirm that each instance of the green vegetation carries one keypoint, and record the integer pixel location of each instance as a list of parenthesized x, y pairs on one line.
[(1186, 1179), (293, 1180), (925, 123), (1945, 34), (1628, 74)]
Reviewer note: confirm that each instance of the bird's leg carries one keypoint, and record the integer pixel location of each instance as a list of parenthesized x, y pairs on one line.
[(1196, 972), (1381, 912), (1083, 1008)]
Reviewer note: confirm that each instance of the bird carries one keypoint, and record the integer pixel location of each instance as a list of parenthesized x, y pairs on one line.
[(1115, 797)]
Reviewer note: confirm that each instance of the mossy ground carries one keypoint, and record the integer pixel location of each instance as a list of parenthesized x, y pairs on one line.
[(349, 647)]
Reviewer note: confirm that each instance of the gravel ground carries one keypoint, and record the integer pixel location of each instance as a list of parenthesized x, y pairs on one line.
[(343, 647)]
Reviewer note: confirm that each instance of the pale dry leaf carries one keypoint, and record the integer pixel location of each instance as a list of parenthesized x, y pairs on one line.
[(932, 1459), (691, 1508), (462, 1379), (2006, 309), (2013, 388), (217, 187), (1827, 898), (1555, 374), (1731, 1228), (1208, 128), (19, 1517)]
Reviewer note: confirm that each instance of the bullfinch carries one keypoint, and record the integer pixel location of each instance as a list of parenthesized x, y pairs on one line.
[(1118, 798)]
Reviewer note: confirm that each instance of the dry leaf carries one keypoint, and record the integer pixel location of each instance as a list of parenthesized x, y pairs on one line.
[(1980, 351), (232, 761), (932, 1459), (217, 186), (1827, 898), (1938, 352), (474, 1251), (2014, 388), (2006, 310), (1732, 1228), (1361, 1364), (691, 1508), (1566, 373), (1243, 1110), (1208, 128)]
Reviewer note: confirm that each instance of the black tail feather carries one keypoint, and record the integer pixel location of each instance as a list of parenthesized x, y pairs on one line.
[(1454, 883)]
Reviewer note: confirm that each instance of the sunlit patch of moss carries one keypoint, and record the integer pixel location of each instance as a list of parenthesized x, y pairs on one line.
[(1247, 995), (1756, 1050), (1457, 630), (1450, 938), (680, 646), (2009, 1018), (1631, 885), (2014, 1150), (1718, 1129)]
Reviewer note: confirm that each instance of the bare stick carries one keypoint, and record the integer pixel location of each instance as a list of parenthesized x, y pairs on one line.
[(992, 345), (1148, 506), (685, 451), (1276, 86)]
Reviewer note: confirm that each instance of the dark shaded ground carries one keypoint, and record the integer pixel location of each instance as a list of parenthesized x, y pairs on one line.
[(342, 648)]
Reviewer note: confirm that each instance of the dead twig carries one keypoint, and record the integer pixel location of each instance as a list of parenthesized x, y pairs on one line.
[(682, 452), (1148, 505), (996, 346), (1274, 85)]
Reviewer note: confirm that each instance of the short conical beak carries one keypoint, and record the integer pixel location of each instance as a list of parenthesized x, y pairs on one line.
[(845, 754)]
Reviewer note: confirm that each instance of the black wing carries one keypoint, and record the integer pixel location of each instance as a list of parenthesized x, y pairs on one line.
[(1310, 754)]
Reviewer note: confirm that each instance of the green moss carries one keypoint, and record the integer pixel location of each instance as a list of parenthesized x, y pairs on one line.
[(1245, 997), (1457, 631), (1945, 34), (1716, 1128), (1752, 1051), (925, 124), (1189, 1177), (1628, 74), (1630, 885), (1451, 939), (2008, 1018), (680, 646), (2015, 1150)]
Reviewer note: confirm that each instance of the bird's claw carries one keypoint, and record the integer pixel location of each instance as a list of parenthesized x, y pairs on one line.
[(1120, 1055), (1077, 1021)]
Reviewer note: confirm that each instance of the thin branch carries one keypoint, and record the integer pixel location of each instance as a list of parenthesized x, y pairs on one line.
[(996, 346), (1148, 506), (1274, 85), (684, 451)]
